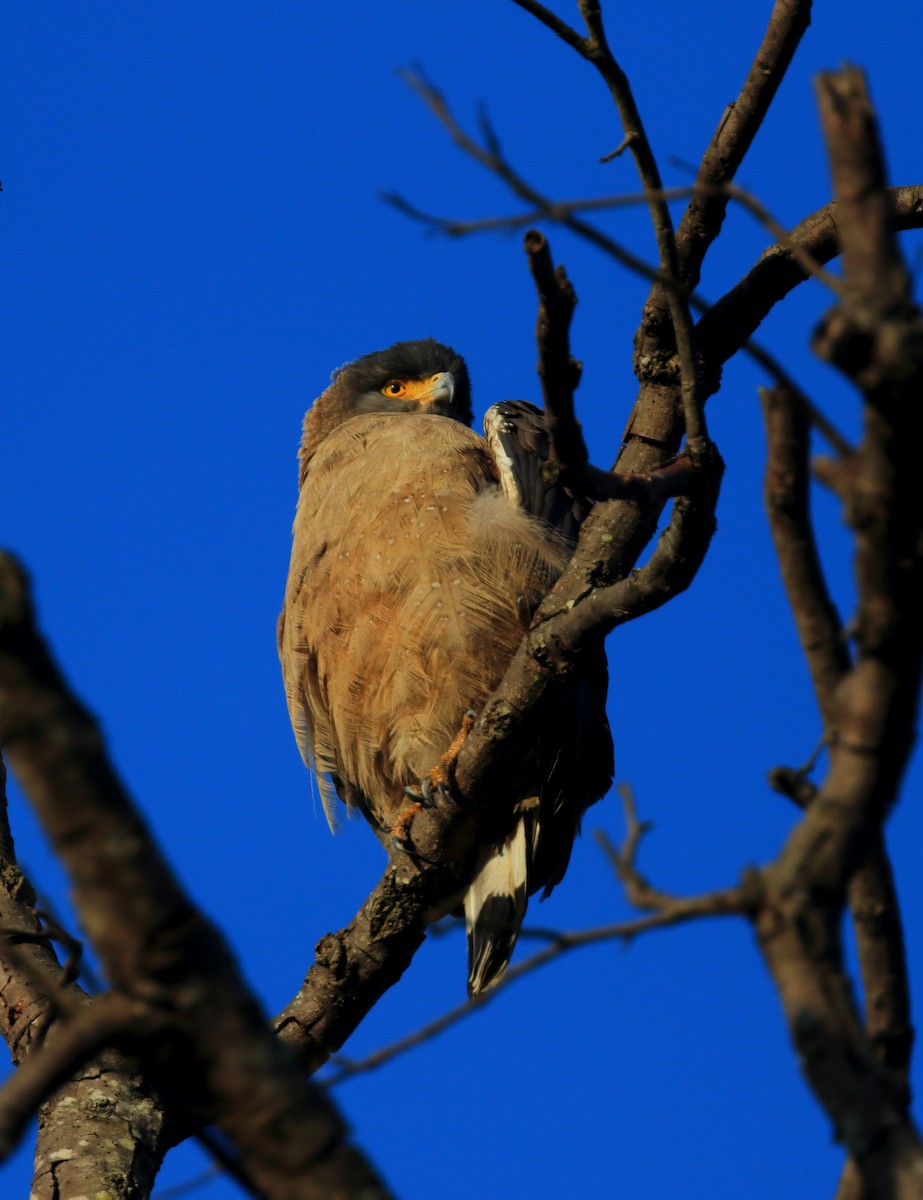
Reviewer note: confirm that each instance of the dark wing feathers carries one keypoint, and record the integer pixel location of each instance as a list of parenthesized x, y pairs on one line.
[(573, 765), (518, 440)]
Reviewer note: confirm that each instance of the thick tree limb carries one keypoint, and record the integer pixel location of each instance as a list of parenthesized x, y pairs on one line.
[(876, 336), (30, 976), (116, 1128), (76, 1040), (155, 947), (872, 899)]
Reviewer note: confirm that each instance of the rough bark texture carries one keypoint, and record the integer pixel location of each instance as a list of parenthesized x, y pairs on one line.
[(876, 336), (177, 998)]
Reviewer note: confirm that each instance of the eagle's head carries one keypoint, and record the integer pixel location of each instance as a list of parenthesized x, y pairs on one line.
[(409, 377), (422, 376)]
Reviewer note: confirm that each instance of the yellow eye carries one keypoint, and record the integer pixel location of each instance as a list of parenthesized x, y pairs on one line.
[(394, 387)]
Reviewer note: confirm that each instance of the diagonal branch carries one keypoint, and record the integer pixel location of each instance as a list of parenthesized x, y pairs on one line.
[(729, 902), (731, 320), (664, 911), (702, 221), (154, 945)]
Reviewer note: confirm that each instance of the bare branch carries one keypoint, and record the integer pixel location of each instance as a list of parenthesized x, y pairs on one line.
[(872, 900), (495, 161), (668, 912), (555, 24), (731, 902), (558, 370), (31, 979), (151, 940), (720, 331), (820, 630), (876, 915), (730, 321), (124, 1141), (598, 52), (738, 127), (654, 421), (876, 335)]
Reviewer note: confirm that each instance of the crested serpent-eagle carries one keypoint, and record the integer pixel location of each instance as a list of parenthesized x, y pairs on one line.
[(421, 551)]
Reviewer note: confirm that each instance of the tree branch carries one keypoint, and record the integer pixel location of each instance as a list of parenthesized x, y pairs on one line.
[(597, 51), (786, 491), (703, 218), (668, 911), (876, 336), (653, 428), (872, 899), (76, 1040), (559, 373), (155, 947), (558, 370), (730, 321)]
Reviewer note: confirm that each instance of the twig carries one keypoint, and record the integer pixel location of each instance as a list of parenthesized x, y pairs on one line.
[(794, 782), (497, 162), (669, 911), (726, 320), (560, 210), (555, 24), (731, 902)]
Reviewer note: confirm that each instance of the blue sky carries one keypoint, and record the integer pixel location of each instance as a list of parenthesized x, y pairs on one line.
[(193, 241)]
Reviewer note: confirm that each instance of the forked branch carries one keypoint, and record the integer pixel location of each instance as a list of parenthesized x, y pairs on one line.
[(876, 336)]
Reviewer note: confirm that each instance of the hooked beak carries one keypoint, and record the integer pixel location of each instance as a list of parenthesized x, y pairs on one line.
[(440, 387)]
